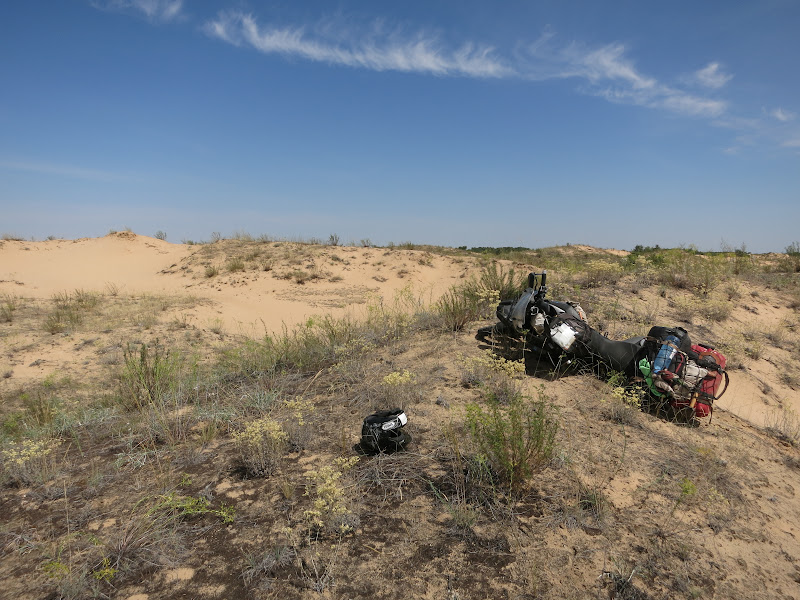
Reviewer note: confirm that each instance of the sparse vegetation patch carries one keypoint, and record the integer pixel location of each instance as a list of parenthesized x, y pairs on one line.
[(184, 458)]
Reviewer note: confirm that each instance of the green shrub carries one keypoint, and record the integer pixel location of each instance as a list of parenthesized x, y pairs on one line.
[(70, 310), (242, 236), (602, 272), (148, 375), (62, 319), (481, 369), (181, 507), (716, 309), (41, 408), (516, 439), (400, 388), (690, 270), (8, 304), (508, 283), (83, 299), (456, 308), (235, 264), (478, 297), (153, 534), (309, 347), (299, 276)]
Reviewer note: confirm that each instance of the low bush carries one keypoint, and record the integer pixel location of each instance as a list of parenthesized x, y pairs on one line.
[(30, 461), (153, 535), (148, 375), (266, 564), (456, 309), (261, 446), (601, 272), (8, 304), (399, 388), (516, 439), (508, 283), (235, 264), (329, 513), (784, 423), (478, 297), (70, 310), (623, 403)]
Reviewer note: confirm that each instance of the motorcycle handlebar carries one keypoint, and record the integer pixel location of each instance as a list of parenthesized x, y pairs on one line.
[(532, 279)]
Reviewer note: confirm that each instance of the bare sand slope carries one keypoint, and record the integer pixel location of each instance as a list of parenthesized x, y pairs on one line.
[(130, 261), (283, 285)]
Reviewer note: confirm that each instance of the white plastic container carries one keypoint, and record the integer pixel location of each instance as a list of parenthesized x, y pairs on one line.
[(563, 335)]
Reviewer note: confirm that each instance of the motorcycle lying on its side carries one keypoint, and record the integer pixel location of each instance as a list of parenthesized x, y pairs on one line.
[(672, 370), (543, 329)]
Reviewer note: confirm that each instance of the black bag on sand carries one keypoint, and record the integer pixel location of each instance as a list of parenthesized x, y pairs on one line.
[(382, 431)]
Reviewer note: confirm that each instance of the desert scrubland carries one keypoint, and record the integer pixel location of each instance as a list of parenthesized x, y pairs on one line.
[(180, 421)]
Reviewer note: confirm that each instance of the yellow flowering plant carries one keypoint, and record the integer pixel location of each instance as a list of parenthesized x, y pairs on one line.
[(329, 512), (261, 445), (30, 461)]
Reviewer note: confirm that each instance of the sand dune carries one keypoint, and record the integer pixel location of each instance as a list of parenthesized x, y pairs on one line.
[(632, 498), (252, 297)]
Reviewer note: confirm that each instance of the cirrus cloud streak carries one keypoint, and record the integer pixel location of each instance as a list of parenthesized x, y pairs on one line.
[(606, 71), (419, 54), (155, 10)]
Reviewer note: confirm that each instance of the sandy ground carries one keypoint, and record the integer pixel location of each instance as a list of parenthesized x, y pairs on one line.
[(748, 551), (263, 297), (134, 264)]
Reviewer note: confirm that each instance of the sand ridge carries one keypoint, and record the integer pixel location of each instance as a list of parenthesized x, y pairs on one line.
[(340, 279)]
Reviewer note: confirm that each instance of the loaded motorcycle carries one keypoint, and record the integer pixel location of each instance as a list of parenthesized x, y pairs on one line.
[(674, 371)]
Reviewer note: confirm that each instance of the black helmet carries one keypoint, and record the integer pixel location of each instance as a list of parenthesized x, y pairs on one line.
[(382, 431)]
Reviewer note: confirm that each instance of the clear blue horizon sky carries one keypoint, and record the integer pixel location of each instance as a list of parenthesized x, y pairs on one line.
[(520, 123)]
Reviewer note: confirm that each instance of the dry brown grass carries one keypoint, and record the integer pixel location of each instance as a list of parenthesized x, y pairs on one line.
[(628, 503)]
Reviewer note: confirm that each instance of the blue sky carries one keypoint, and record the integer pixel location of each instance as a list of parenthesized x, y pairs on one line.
[(472, 123)]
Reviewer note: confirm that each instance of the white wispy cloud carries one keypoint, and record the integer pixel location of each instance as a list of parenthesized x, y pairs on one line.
[(688, 104), (70, 171), (155, 10), (752, 132), (608, 63), (712, 76), (782, 115), (607, 70), (421, 53), (614, 76)]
